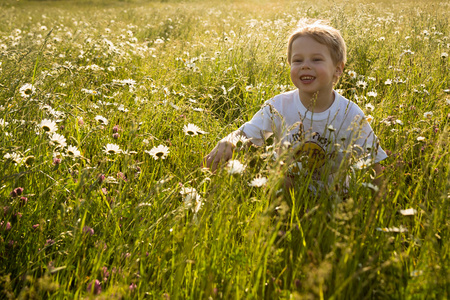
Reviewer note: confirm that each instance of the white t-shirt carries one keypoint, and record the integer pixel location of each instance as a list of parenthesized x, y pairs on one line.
[(316, 138)]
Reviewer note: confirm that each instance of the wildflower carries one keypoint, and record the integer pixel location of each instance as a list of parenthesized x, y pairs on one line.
[(27, 90), (394, 229), (444, 55), (388, 82), (49, 242), (363, 163), (331, 128), (112, 149), (56, 161), (428, 115), (192, 130), (421, 138), (399, 122), (191, 198), (73, 151), (3, 123), (116, 129), (16, 192), (101, 178), (361, 83), (7, 225), (35, 226), (15, 157), (258, 181), (408, 212), (101, 120), (370, 107), (122, 108), (94, 287), (88, 230), (58, 140), (237, 140), (370, 186), (235, 167), (132, 286), (415, 273), (122, 176), (369, 118), (372, 94), (158, 152), (23, 201), (48, 126), (80, 121), (352, 74)]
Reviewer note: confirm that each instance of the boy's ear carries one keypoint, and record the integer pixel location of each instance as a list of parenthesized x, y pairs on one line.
[(339, 69)]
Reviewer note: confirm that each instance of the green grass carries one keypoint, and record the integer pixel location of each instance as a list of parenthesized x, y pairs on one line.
[(217, 63)]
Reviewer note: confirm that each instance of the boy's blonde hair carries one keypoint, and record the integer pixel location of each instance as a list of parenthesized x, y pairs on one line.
[(324, 34)]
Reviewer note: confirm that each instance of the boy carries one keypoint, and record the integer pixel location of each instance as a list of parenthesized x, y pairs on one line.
[(320, 127)]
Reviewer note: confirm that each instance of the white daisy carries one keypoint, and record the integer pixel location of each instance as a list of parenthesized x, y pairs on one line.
[(3, 123), (421, 138), (27, 90), (112, 149), (235, 167), (192, 130), (122, 108), (101, 120), (369, 118), (48, 126), (361, 83), (370, 107), (258, 181), (372, 94), (408, 212), (58, 140), (191, 198), (331, 127), (370, 186), (352, 74), (15, 157), (159, 152), (363, 163), (73, 151), (236, 139), (428, 115)]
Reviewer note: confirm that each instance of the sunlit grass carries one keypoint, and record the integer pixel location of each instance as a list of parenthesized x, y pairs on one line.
[(108, 108)]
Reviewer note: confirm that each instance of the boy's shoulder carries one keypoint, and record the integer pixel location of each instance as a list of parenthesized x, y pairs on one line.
[(284, 97), (348, 107)]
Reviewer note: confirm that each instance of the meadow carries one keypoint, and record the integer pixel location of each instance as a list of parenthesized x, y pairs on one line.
[(107, 109)]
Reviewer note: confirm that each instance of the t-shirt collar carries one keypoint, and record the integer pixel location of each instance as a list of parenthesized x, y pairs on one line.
[(331, 111)]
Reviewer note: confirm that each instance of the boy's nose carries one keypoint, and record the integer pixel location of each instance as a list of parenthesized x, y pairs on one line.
[(305, 66)]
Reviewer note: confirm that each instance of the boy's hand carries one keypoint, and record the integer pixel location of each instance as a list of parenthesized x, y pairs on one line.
[(223, 152)]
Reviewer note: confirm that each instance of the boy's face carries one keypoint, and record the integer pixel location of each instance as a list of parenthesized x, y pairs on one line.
[(312, 69)]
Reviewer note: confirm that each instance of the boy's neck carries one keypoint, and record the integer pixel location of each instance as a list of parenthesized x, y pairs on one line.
[(317, 103)]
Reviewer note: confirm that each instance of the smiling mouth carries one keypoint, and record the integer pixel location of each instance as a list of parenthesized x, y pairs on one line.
[(307, 78)]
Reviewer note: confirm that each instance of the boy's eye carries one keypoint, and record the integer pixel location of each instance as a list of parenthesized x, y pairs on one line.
[(317, 59)]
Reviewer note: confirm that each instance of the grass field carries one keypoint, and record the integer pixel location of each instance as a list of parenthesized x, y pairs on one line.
[(102, 188)]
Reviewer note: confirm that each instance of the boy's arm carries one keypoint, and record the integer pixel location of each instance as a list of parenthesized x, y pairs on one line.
[(378, 175), (223, 151)]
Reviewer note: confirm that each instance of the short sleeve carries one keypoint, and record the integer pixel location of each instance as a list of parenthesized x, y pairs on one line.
[(263, 124), (368, 142)]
